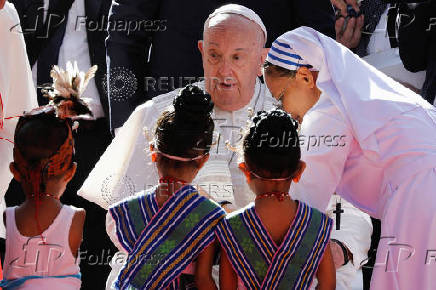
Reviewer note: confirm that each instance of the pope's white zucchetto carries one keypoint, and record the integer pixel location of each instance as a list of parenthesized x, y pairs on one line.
[(240, 10)]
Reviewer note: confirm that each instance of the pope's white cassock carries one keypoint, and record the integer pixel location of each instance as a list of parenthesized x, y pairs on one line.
[(126, 168), (385, 163), (17, 91)]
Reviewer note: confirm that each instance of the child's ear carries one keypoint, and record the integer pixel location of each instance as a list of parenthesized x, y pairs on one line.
[(243, 167), (153, 157), (299, 172), (14, 171), (153, 153), (71, 172), (202, 161)]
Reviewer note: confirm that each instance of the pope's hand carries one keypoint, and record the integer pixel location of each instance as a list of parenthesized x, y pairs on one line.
[(338, 253)]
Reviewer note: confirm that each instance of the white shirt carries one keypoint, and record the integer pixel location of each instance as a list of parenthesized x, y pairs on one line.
[(16, 89), (387, 59), (75, 47)]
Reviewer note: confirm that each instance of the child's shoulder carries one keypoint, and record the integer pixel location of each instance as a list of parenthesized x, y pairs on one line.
[(317, 216), (78, 214), (202, 200), (235, 217), (132, 199), (313, 210), (73, 208)]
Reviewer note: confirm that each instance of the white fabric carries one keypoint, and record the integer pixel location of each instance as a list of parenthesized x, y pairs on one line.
[(347, 278), (27, 256), (390, 63), (284, 55), (355, 233), (390, 134), (358, 105), (387, 59), (240, 10), (16, 89), (120, 258), (408, 227), (126, 168), (75, 47), (379, 40)]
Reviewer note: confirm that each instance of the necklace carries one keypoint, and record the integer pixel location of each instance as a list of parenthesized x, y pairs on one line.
[(168, 179), (44, 195), (280, 195)]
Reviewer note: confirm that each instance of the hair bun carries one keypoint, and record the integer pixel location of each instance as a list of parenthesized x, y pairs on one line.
[(193, 104)]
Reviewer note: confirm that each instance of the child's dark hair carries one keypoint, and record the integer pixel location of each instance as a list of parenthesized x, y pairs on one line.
[(40, 136), (271, 146), (186, 131), (278, 71)]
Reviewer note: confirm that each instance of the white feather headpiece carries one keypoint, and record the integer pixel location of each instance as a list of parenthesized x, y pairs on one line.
[(67, 89)]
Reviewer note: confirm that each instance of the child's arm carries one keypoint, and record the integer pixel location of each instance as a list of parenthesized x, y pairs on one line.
[(228, 277), (76, 231), (203, 268), (326, 273)]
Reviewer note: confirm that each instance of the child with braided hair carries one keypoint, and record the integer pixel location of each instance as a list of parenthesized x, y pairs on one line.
[(167, 233), (277, 242), (43, 235)]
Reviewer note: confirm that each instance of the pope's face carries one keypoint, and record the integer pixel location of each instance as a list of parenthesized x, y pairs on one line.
[(232, 59)]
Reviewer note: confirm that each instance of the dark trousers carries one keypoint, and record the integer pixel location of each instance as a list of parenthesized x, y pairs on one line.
[(369, 266), (91, 140)]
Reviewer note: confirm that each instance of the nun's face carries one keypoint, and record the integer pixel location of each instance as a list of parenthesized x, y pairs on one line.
[(296, 94), (232, 52)]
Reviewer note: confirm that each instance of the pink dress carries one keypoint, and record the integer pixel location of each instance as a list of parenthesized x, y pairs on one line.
[(28, 256)]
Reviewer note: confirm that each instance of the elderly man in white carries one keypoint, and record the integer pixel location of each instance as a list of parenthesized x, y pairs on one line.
[(233, 53)]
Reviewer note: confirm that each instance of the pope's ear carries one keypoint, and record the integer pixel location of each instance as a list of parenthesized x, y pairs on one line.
[(263, 55), (200, 46)]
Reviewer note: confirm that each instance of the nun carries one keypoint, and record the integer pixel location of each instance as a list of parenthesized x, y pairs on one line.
[(368, 138)]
